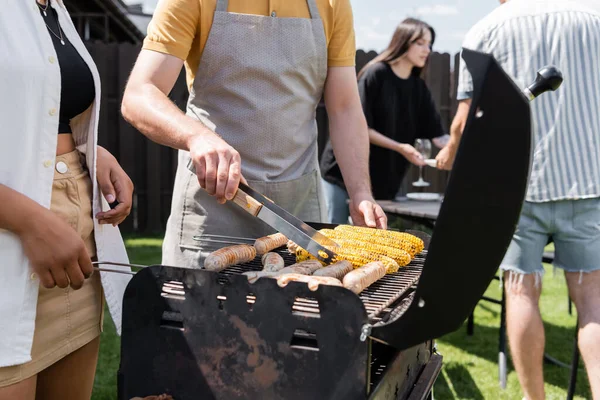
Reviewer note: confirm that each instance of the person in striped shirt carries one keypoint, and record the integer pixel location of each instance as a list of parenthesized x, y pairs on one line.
[(563, 197)]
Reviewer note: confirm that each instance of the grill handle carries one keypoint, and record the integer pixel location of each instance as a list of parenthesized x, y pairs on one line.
[(547, 79)]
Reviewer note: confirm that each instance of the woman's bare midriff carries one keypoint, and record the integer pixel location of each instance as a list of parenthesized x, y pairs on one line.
[(65, 144)]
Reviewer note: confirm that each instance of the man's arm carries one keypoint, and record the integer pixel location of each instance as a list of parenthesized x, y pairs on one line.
[(445, 157), (147, 107), (350, 140), (441, 141)]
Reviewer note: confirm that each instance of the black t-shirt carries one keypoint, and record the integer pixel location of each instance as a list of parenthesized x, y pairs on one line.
[(77, 91), (401, 109)]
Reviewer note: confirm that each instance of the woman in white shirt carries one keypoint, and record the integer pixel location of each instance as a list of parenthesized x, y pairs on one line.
[(55, 188)]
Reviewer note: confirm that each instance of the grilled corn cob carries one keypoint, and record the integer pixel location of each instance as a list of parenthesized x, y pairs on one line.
[(357, 256), (374, 244), (402, 257), (400, 240)]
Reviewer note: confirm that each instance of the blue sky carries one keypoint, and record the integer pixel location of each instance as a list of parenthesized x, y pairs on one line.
[(375, 20)]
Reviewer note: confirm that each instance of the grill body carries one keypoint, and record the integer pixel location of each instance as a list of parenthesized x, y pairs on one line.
[(195, 331), (197, 334)]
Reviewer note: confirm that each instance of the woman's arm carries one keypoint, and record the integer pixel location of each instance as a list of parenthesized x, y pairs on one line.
[(115, 185), (56, 252)]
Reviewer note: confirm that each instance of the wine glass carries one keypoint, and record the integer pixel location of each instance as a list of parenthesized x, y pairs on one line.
[(423, 146)]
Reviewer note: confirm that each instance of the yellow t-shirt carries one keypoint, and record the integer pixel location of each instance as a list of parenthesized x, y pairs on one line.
[(181, 27)]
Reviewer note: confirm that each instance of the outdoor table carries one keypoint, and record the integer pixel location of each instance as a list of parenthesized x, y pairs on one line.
[(419, 211)]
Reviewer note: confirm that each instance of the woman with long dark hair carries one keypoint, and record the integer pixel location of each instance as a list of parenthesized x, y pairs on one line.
[(399, 109)]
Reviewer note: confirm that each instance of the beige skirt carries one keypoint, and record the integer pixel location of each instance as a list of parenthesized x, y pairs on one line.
[(66, 319)]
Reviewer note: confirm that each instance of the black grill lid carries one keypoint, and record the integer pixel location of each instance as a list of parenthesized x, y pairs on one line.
[(480, 211)]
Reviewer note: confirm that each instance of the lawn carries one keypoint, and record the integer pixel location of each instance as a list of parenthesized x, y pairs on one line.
[(470, 363)]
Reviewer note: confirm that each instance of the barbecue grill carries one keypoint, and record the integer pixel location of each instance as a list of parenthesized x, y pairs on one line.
[(196, 334)]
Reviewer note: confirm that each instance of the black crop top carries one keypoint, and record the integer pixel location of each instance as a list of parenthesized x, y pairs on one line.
[(77, 90)]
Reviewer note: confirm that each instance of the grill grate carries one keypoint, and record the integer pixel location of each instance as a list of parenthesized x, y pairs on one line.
[(379, 299)]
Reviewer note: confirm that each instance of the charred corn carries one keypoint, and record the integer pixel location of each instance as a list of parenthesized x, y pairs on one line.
[(402, 257), (399, 240), (357, 256)]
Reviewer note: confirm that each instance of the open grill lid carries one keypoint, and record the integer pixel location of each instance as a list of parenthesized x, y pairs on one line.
[(480, 211)]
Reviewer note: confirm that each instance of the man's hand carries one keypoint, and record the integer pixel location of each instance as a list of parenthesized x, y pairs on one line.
[(445, 158), (218, 166), (411, 154), (147, 107), (366, 212), (115, 184)]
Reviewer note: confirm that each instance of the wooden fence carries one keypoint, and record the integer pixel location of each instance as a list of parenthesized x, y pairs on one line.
[(152, 167)]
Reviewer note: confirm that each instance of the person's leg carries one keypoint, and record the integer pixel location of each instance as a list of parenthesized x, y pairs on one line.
[(523, 272), (525, 331), (577, 248), (586, 296), (72, 377), (24, 390), (337, 203)]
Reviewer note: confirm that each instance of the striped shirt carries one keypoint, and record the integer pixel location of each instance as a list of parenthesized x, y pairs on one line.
[(525, 35)]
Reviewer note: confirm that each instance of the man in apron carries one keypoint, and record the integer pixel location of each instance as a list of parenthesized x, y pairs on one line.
[(256, 73)]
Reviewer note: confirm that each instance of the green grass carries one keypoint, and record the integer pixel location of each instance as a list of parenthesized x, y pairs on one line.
[(470, 369), (144, 251)]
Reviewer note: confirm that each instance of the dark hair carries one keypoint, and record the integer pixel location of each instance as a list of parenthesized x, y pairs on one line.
[(401, 41)]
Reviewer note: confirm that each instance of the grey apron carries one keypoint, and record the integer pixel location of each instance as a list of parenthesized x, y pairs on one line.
[(258, 85)]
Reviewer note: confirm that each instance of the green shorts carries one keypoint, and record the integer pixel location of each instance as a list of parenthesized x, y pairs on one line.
[(573, 226)]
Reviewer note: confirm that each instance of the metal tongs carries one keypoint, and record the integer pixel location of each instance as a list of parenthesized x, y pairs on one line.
[(97, 267)]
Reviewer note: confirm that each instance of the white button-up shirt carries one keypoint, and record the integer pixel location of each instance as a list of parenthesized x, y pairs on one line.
[(29, 110)]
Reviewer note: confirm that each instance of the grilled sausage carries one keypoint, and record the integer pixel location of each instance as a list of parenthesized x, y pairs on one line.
[(336, 270), (227, 256), (272, 262), (253, 276), (304, 268), (292, 247), (267, 243), (359, 279), (313, 282)]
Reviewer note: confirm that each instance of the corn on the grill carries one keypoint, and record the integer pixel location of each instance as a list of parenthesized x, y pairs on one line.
[(360, 246), (402, 257), (357, 256), (400, 240)]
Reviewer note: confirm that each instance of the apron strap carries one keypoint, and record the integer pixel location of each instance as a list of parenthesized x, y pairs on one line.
[(222, 5), (313, 9)]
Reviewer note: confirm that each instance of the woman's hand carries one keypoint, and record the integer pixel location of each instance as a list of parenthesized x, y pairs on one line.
[(56, 252), (115, 184), (411, 154)]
